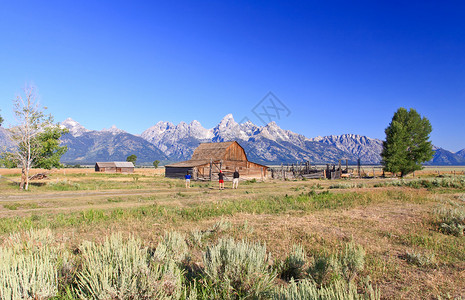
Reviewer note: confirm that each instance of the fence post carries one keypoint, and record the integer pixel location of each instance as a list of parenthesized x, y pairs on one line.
[(211, 166)]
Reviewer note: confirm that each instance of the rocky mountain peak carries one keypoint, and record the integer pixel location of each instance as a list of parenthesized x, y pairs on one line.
[(74, 127), (461, 153), (264, 144), (227, 121), (114, 130)]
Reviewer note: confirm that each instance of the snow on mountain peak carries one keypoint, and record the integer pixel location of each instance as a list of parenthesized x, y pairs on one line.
[(228, 117), (227, 121), (74, 127), (113, 129)]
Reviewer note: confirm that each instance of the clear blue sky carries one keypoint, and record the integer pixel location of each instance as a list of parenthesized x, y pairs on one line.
[(338, 66)]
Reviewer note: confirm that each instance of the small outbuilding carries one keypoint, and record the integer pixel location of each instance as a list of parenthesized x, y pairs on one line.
[(209, 158), (115, 167)]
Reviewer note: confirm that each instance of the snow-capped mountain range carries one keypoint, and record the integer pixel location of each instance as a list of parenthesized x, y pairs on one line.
[(266, 144)]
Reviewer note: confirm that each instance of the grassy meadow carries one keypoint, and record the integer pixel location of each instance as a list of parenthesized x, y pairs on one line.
[(143, 236)]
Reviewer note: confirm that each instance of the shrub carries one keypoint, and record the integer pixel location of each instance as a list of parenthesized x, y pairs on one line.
[(351, 261), (236, 270), (120, 269), (64, 185), (346, 264), (342, 186), (451, 220), (221, 225), (172, 247), (28, 266), (420, 260), (195, 237), (250, 181), (321, 268), (455, 183), (306, 289), (293, 265)]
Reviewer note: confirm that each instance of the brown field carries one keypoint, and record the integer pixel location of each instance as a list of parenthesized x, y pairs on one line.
[(388, 221)]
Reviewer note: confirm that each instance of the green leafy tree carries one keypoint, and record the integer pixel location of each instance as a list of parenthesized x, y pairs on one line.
[(407, 143), (132, 158), (155, 163), (50, 151), (1, 120), (35, 137)]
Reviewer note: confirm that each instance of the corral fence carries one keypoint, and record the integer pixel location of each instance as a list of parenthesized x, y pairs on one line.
[(309, 171)]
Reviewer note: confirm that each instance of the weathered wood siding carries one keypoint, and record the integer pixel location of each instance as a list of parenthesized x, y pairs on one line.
[(246, 169), (209, 158), (235, 152), (177, 172)]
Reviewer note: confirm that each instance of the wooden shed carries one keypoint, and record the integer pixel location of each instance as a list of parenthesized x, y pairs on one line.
[(209, 158), (114, 167)]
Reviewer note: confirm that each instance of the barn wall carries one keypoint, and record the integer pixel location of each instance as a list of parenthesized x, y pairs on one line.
[(177, 172), (235, 152), (246, 170), (125, 170), (107, 170)]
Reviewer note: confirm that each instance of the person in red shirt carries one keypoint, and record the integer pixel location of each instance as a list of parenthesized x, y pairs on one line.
[(221, 180)]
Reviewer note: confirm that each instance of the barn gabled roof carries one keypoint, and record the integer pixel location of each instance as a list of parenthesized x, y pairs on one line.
[(188, 163), (215, 151), (115, 164), (124, 164)]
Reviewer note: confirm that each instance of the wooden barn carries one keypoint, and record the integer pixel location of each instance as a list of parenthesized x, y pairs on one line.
[(209, 158), (114, 167)]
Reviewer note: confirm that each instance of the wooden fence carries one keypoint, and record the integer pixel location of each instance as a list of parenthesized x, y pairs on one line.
[(309, 171)]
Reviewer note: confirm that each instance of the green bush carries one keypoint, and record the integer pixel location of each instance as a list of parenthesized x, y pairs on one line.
[(238, 270)]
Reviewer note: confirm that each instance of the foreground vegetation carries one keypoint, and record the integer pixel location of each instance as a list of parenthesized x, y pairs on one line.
[(34, 266), (142, 236)]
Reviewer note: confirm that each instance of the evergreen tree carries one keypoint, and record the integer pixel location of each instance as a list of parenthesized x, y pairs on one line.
[(407, 143), (1, 120)]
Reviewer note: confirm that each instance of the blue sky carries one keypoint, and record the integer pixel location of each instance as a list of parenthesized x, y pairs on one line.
[(337, 66)]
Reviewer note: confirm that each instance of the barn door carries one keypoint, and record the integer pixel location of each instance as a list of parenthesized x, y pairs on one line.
[(215, 167)]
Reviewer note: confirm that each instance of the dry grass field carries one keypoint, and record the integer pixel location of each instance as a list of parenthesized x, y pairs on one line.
[(413, 250)]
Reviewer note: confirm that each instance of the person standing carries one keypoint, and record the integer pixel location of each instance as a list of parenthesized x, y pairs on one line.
[(188, 179), (235, 179), (221, 180)]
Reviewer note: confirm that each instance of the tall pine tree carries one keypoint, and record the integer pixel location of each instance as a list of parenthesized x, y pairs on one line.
[(407, 143)]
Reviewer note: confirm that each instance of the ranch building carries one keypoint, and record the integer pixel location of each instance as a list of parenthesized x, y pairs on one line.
[(209, 158), (114, 167)]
